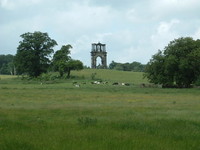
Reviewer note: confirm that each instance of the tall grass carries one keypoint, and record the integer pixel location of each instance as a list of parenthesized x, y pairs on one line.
[(36, 116)]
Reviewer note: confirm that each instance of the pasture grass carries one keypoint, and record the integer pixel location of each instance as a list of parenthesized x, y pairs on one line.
[(6, 77), (112, 75), (59, 116)]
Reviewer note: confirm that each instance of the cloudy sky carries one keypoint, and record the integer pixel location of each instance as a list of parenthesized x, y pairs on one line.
[(133, 30)]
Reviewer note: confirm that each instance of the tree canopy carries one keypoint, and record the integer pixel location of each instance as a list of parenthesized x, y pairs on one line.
[(177, 65), (134, 66), (33, 53), (63, 63), (6, 64)]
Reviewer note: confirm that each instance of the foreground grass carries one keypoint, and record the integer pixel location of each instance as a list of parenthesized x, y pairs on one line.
[(60, 116)]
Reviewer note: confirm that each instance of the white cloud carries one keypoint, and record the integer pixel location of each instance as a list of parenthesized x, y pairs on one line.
[(197, 34), (165, 27), (6, 4), (185, 9), (177, 3), (15, 4), (132, 15), (165, 32), (83, 18)]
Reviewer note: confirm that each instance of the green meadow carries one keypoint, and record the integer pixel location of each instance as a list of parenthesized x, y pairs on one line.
[(56, 115)]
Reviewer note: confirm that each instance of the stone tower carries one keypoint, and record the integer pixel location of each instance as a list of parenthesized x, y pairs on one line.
[(98, 50)]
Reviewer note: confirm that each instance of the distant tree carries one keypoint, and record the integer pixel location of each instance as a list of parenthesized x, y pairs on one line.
[(33, 53), (178, 65), (134, 66), (60, 58), (137, 66), (112, 65), (126, 67), (119, 66), (6, 64), (73, 65), (63, 63)]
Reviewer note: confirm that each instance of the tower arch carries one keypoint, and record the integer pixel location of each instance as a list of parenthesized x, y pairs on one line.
[(98, 50)]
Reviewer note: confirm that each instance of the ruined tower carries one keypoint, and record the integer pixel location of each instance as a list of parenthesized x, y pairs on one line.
[(98, 50)]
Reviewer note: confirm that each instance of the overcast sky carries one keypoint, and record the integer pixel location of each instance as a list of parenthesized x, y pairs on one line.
[(133, 30)]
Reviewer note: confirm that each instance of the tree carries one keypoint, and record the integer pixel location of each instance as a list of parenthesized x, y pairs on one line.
[(60, 58), (6, 64), (73, 65), (63, 63), (137, 66), (154, 70), (134, 66), (33, 53), (178, 65)]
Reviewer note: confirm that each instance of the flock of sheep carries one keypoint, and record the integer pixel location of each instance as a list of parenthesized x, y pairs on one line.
[(76, 84)]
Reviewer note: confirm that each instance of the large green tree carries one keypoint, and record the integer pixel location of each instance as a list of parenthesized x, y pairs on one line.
[(178, 65), (33, 53), (63, 63)]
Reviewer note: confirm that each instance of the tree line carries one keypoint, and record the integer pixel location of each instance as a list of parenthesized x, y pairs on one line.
[(34, 55), (7, 64), (134, 66)]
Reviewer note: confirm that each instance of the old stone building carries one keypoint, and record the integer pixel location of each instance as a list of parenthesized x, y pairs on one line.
[(98, 50)]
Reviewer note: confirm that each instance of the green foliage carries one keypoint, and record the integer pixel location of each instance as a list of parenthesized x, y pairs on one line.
[(197, 83), (48, 77), (7, 65), (60, 58), (73, 65), (63, 63), (33, 53), (178, 65), (134, 66)]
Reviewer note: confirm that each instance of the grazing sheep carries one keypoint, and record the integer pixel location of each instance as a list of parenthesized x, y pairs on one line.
[(127, 84), (142, 85), (77, 85), (115, 83), (96, 82)]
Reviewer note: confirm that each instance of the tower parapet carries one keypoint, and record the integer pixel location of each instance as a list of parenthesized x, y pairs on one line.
[(98, 47)]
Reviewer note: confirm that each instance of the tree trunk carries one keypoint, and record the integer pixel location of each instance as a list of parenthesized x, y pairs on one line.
[(68, 73)]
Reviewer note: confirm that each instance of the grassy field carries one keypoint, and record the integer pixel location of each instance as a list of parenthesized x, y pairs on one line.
[(37, 115)]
